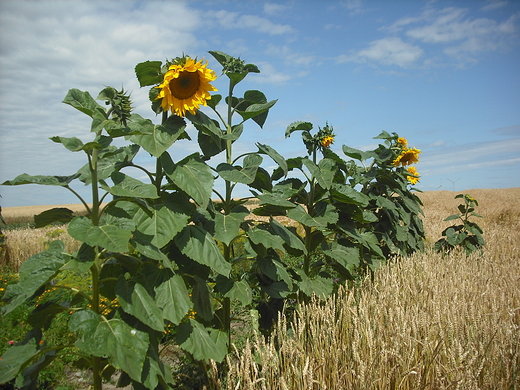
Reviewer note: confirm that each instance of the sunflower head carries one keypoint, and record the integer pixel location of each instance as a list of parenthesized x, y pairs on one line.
[(408, 156), (413, 176), (186, 86), (325, 136), (402, 141)]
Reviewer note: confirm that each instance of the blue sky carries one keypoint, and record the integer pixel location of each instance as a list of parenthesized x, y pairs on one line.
[(443, 74)]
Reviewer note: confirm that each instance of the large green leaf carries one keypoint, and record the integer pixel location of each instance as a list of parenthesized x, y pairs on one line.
[(255, 110), (324, 215), (318, 285), (127, 186), (347, 257), (18, 356), (24, 178), (192, 176), (202, 343), (58, 214), (110, 159), (204, 123), (34, 273), (235, 289), (275, 271), (324, 172), (289, 237), (275, 199), (135, 300), (346, 194), (259, 235), (297, 126), (167, 219), (358, 154), (124, 346), (111, 237), (202, 299), (277, 157), (149, 73), (227, 226), (245, 175), (173, 298), (162, 136), (85, 103), (200, 246)]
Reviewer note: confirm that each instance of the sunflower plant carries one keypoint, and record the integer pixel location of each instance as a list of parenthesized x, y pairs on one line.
[(467, 234)]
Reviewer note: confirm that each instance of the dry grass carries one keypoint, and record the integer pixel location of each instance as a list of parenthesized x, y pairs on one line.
[(26, 242), (425, 322)]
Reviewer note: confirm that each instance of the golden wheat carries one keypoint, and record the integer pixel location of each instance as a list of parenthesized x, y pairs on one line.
[(423, 322)]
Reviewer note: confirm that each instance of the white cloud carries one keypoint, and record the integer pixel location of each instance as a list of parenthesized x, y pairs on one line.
[(289, 56), (275, 9), (230, 20), (387, 51)]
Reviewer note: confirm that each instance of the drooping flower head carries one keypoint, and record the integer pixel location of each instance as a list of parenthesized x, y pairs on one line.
[(186, 86), (325, 136), (407, 157), (412, 179)]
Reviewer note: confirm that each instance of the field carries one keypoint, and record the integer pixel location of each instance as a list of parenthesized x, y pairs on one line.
[(423, 322)]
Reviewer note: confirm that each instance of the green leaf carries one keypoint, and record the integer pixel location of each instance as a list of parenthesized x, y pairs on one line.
[(347, 257), (202, 343), (275, 271), (214, 101), (124, 346), (297, 126), (24, 178), (245, 175), (289, 237), (192, 176), (149, 73), (204, 123), (452, 217), (59, 214), (277, 157), (135, 300), (318, 285), (240, 290), (82, 101), (200, 246), (324, 214), (162, 136), (43, 314), (18, 356), (111, 237), (346, 194), (173, 298), (227, 226), (275, 199), (127, 186), (210, 144), (259, 235), (357, 154), (34, 273), (167, 219), (202, 300), (324, 172)]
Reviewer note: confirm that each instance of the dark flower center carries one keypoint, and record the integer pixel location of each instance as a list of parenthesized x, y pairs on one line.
[(186, 85)]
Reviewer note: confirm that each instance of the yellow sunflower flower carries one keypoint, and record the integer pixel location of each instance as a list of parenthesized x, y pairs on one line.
[(412, 171), (407, 157), (186, 87), (402, 141), (327, 141)]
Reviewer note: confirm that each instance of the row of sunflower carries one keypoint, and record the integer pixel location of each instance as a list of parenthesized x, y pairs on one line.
[(164, 256)]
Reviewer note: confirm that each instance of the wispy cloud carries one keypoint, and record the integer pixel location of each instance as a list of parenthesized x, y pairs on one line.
[(231, 20), (387, 51)]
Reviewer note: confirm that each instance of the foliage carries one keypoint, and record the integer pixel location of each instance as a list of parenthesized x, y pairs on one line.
[(467, 234), (164, 260)]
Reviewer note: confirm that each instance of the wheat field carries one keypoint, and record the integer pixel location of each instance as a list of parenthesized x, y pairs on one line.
[(423, 322)]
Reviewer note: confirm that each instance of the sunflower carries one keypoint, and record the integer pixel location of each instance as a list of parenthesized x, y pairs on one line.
[(327, 141), (402, 141), (412, 171), (186, 86), (407, 157)]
